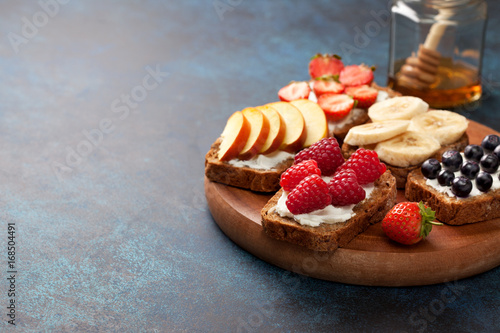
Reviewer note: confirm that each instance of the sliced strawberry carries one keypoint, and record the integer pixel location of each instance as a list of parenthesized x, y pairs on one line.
[(336, 106), (293, 91), (364, 95), (325, 64), (356, 75), (321, 87)]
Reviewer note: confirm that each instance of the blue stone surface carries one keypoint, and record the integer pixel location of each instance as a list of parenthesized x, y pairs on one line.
[(107, 110)]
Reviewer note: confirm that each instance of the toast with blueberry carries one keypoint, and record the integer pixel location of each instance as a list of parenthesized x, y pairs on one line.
[(462, 187)]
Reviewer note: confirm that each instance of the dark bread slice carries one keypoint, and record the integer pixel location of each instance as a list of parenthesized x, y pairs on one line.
[(401, 173), (328, 237), (243, 177), (361, 117), (451, 210)]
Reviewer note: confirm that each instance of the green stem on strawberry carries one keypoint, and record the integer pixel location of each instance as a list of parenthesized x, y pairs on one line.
[(428, 218)]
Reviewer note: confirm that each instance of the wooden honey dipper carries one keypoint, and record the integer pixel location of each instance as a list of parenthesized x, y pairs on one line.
[(420, 70)]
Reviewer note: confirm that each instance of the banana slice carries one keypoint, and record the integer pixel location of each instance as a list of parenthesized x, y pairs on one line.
[(375, 132), (401, 107), (445, 126), (407, 149)]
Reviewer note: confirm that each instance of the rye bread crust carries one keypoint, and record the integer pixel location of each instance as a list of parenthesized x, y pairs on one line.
[(451, 210), (328, 237), (401, 173), (243, 177)]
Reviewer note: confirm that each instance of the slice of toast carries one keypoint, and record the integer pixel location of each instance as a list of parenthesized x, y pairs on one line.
[(401, 173), (452, 210), (243, 177), (328, 237)]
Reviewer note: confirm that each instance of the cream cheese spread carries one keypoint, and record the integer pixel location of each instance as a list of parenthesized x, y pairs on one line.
[(475, 192), (263, 162), (329, 215)]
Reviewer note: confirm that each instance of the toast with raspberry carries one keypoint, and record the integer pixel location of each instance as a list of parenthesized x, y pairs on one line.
[(325, 201), (329, 237)]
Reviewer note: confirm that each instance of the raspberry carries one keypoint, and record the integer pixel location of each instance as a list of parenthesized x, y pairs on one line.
[(345, 189), (326, 152), (365, 164), (309, 195), (294, 174)]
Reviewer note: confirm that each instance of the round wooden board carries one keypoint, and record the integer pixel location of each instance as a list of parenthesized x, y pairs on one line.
[(449, 253)]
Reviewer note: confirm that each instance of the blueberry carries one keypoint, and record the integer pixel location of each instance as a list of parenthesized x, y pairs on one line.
[(490, 142), (451, 160), (445, 177), (497, 152), (489, 163), (473, 153), (470, 169), (461, 186), (484, 181), (430, 168)]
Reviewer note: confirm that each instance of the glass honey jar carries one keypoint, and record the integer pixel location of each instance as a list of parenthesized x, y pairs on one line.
[(436, 50)]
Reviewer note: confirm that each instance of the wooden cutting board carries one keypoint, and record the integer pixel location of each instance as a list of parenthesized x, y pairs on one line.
[(448, 254)]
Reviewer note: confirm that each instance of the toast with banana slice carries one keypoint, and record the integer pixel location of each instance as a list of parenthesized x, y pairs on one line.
[(358, 116), (404, 133)]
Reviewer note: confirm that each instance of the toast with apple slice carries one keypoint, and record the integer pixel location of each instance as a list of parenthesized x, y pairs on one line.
[(269, 136)]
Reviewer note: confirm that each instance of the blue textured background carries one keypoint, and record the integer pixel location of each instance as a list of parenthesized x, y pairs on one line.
[(124, 241)]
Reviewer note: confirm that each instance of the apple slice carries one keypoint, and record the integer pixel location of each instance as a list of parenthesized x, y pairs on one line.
[(277, 128), (259, 130), (315, 119), (295, 133), (234, 136)]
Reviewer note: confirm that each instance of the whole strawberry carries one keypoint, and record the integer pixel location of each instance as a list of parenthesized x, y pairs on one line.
[(345, 189), (294, 174), (326, 152), (409, 222), (309, 195), (365, 164)]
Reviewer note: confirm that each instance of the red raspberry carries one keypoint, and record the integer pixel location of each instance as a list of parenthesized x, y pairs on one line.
[(326, 152), (309, 195), (365, 164), (294, 174), (345, 189)]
